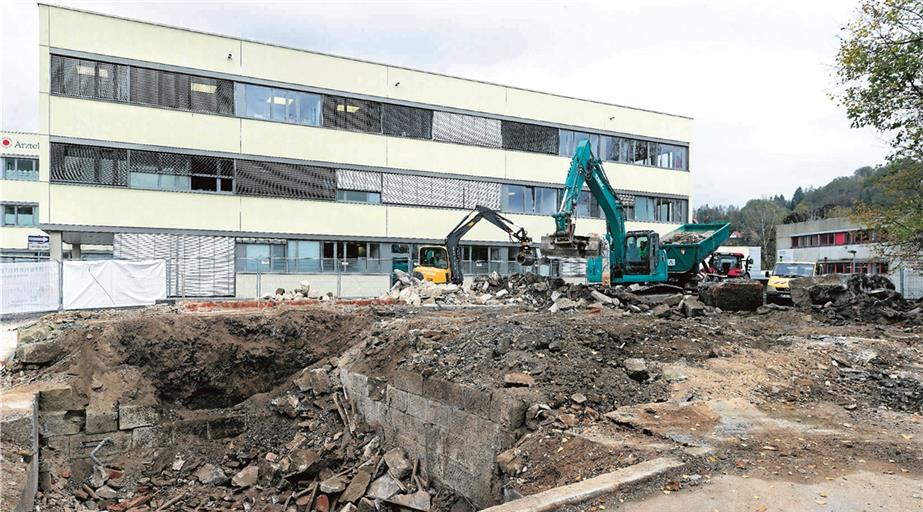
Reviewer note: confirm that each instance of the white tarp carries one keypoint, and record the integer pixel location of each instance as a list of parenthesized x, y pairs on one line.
[(113, 283), (28, 287)]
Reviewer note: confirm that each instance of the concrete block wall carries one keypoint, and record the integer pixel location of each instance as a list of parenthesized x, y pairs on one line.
[(18, 451), (456, 431)]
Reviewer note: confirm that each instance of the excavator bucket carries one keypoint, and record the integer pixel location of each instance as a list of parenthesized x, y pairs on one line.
[(525, 256), (555, 246)]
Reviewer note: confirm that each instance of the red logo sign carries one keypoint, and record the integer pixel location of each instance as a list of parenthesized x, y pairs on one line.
[(6, 142)]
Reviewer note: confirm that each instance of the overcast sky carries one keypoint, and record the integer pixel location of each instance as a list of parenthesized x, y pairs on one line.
[(754, 74)]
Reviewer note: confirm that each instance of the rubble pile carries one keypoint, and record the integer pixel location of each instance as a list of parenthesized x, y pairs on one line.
[(303, 292), (332, 462), (732, 294), (854, 297), (535, 292), (687, 237)]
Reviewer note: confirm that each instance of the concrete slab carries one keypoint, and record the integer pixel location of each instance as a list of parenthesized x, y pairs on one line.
[(553, 499)]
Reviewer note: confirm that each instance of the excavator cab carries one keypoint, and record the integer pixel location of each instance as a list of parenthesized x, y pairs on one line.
[(434, 264), (642, 249)]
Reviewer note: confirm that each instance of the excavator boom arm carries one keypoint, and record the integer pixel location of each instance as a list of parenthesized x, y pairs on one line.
[(515, 233), (586, 169)]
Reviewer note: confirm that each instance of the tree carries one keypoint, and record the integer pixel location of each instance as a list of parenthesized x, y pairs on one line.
[(896, 218), (759, 217), (797, 197), (880, 70)]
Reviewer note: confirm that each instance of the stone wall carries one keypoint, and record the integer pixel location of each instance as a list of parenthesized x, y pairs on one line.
[(455, 431), (72, 428)]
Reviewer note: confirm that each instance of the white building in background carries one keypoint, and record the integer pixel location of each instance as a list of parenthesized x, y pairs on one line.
[(841, 246), (243, 162)]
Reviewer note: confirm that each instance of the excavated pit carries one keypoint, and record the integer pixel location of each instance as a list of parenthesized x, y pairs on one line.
[(217, 362), (486, 403)]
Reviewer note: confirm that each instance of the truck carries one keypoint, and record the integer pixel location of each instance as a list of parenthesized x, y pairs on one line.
[(778, 288), (621, 256)]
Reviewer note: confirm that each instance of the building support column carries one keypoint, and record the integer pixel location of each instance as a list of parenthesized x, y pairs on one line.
[(76, 253), (56, 245)]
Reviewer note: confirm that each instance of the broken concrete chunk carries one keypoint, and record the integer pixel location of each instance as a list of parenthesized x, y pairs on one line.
[(636, 369), (661, 311), (518, 379), (510, 462), (303, 460), (349, 507), (33, 333), (107, 493), (210, 474), (133, 416), (419, 500), (333, 485), (601, 297), (398, 465), (39, 352), (246, 477), (383, 488), (357, 486), (578, 398), (692, 307)]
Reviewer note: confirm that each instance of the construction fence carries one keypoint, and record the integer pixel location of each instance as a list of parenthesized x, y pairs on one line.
[(41, 286)]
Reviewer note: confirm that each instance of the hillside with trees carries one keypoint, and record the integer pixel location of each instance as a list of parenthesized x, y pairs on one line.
[(756, 220)]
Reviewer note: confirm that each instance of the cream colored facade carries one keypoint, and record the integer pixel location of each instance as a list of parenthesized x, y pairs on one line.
[(31, 146), (75, 209)]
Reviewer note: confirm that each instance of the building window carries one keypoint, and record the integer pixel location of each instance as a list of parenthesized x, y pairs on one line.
[(89, 164), (25, 169), (304, 256), (529, 137), (258, 102), (180, 91), (465, 129), (358, 196), (400, 121), (171, 171), (275, 179), (546, 200), (643, 209), (570, 139), (261, 257), (88, 79), (352, 114), (22, 215), (517, 199)]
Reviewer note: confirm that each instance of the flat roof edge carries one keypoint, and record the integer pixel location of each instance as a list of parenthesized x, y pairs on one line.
[(277, 45)]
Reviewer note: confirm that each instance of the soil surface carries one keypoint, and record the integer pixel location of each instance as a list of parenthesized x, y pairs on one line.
[(773, 404)]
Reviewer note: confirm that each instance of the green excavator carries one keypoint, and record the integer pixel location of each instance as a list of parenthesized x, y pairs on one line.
[(621, 256)]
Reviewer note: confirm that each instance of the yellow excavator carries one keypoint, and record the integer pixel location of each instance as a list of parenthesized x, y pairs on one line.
[(443, 263)]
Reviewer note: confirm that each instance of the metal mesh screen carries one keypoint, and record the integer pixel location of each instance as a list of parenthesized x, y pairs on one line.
[(88, 79), (422, 191), (482, 193), (403, 121), (352, 114), (285, 180), (180, 165), (529, 137), (477, 131), (87, 164), (197, 266), (348, 179), (626, 199), (181, 91)]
